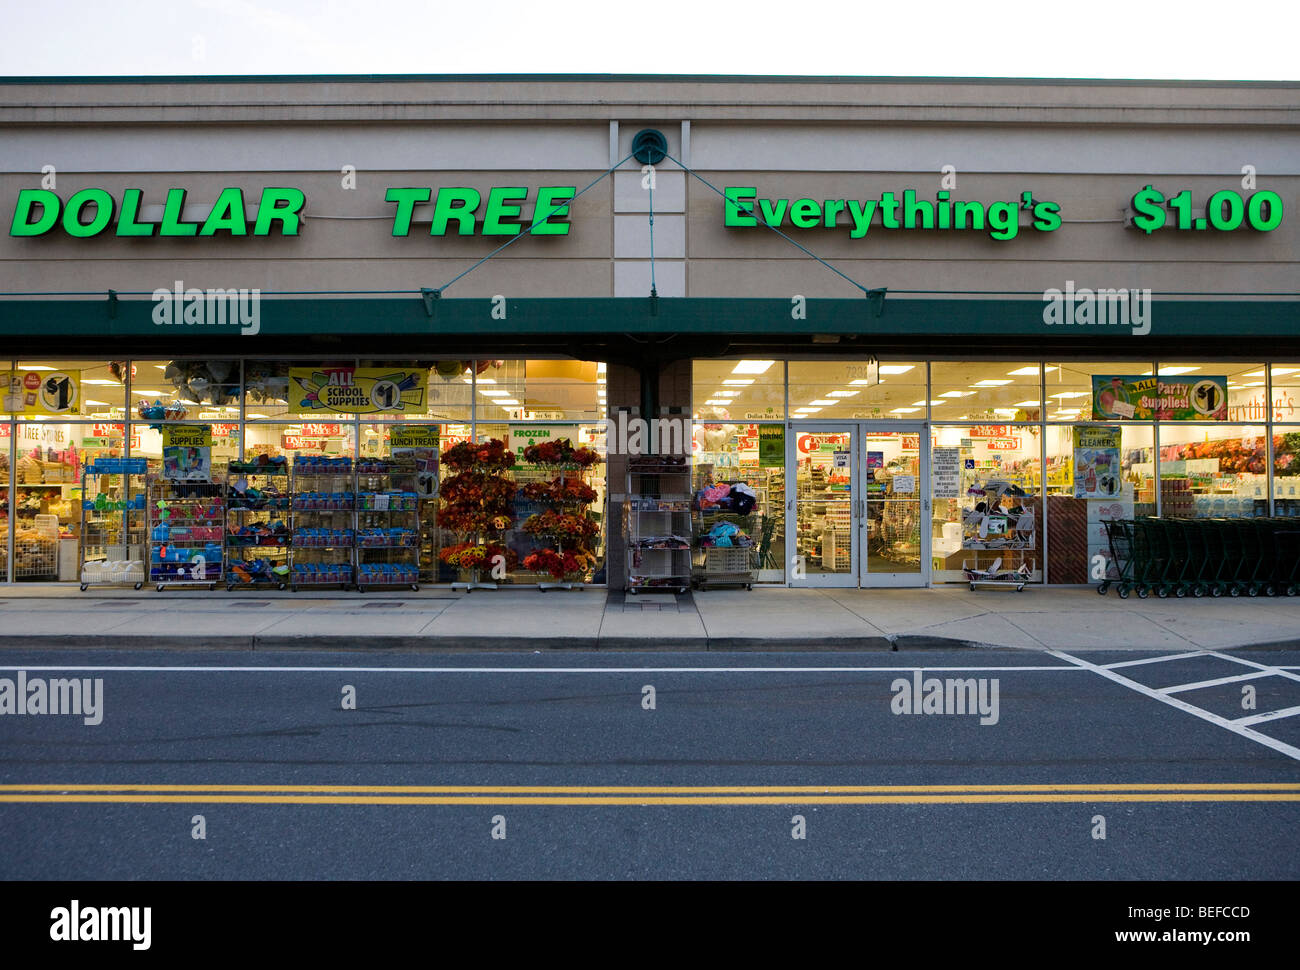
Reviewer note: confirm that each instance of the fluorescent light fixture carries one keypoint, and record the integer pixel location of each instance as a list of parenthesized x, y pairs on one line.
[(33, 367), (495, 393), (804, 412), (717, 402), (505, 400), (100, 381), (738, 382), (904, 410), (957, 394), (1004, 410), (824, 402), (918, 404), (600, 368), (843, 393), (935, 404), (102, 404), (1279, 371), (1065, 394), (991, 383), (752, 366), (257, 415), (150, 393), (1177, 370), (1029, 404), (1024, 371), (895, 368)]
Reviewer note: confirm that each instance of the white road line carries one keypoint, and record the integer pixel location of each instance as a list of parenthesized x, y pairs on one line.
[(1240, 729), (1275, 671), (1179, 688), (531, 670), (1268, 716), (1154, 660)]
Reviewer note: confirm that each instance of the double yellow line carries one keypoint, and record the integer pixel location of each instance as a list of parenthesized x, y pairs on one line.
[(647, 794)]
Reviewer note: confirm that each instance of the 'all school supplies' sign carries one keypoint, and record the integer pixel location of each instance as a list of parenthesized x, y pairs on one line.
[(356, 390)]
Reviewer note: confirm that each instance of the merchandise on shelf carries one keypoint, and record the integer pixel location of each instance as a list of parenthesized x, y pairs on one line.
[(321, 535)]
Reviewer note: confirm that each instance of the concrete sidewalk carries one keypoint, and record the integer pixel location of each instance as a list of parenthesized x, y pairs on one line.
[(526, 619)]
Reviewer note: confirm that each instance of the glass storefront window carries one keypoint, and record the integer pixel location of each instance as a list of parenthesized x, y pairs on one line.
[(1286, 470), (1069, 386), (729, 453), (1076, 530), (63, 388), (824, 390), (195, 391), (539, 390), (735, 390), (49, 485), (1218, 471), (984, 390), (1286, 390), (997, 512)]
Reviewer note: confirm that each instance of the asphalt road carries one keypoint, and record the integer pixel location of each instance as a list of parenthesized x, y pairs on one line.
[(560, 753)]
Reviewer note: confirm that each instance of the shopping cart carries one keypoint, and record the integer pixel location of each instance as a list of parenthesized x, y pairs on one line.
[(1119, 536), (1286, 539)]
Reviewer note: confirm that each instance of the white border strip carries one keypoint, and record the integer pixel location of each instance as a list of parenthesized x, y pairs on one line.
[(1153, 660), (1179, 688), (1268, 716)]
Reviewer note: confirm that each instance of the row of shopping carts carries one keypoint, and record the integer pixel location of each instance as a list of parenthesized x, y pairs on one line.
[(1199, 557)]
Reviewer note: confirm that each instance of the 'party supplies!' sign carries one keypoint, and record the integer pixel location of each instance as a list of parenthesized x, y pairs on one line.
[(356, 390), (1163, 398)]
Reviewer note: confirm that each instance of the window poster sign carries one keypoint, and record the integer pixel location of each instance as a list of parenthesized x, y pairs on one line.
[(771, 446), (522, 435), (1163, 398), (946, 465), (357, 390), (1096, 462), (41, 393), (418, 443)]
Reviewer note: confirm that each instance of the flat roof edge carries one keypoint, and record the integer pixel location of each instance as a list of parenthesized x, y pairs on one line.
[(617, 78)]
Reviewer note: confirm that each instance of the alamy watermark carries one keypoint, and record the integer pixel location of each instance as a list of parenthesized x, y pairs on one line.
[(209, 308), (953, 695), (36, 695), (1083, 307), (656, 436), (99, 924)]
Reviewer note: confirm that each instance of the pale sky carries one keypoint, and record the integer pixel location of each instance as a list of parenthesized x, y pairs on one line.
[(1245, 40)]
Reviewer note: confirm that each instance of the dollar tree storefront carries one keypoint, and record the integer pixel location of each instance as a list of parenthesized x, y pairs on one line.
[(915, 324)]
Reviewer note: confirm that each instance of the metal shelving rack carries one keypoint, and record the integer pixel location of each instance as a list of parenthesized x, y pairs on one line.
[(317, 560), (113, 534), (264, 501), (195, 521), (387, 500), (657, 525)]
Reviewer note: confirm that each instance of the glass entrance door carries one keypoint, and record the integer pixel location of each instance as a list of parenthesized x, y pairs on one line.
[(896, 505), (823, 527), (859, 504)]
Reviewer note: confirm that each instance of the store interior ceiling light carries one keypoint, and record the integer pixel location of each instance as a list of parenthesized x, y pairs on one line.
[(739, 382), (804, 412), (824, 402), (904, 410), (1029, 404), (98, 404), (100, 381), (495, 393), (1177, 370), (1065, 394), (1277, 372), (752, 366), (717, 402), (33, 367), (505, 400), (257, 415), (991, 382), (843, 393), (1032, 370), (957, 394), (895, 368), (600, 367)]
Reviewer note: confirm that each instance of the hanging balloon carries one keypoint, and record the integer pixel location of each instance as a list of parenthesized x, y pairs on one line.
[(448, 369)]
